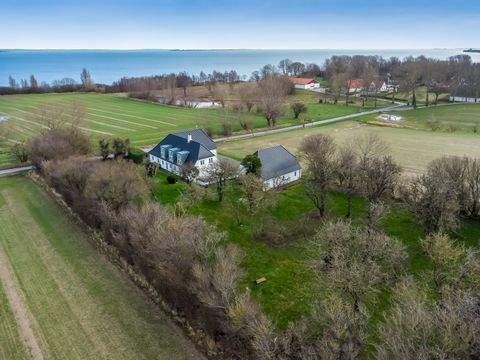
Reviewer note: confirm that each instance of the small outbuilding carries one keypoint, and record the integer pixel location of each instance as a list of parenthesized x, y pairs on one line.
[(279, 166)]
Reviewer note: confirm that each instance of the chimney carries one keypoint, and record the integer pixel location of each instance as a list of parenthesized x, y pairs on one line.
[(189, 137)]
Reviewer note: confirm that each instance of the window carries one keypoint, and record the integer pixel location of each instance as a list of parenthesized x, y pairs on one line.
[(295, 173), (202, 162), (210, 160)]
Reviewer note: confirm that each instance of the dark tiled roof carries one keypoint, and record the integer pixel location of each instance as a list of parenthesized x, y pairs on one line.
[(277, 161), (199, 136), (199, 147)]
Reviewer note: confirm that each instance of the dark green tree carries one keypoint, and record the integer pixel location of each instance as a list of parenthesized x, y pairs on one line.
[(252, 163)]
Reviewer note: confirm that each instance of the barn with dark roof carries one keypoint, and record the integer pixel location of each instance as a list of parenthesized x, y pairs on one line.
[(279, 166)]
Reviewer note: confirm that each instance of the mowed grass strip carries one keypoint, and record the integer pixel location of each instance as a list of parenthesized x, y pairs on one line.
[(11, 345), (413, 149), (84, 307)]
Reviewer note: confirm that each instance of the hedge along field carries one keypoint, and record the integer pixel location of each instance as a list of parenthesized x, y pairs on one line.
[(81, 306), (146, 123)]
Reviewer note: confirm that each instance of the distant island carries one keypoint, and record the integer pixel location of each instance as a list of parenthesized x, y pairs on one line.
[(472, 50)]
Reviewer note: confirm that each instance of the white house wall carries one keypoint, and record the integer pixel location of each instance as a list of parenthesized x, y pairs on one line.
[(282, 180), (201, 165)]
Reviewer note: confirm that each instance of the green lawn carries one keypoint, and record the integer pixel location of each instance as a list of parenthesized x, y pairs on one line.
[(464, 118), (287, 294), (412, 148), (421, 95), (81, 306)]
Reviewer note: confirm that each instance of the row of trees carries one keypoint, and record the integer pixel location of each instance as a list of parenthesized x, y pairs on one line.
[(181, 256), (32, 85)]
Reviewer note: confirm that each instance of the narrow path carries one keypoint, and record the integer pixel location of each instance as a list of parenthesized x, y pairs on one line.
[(16, 170), (19, 309)]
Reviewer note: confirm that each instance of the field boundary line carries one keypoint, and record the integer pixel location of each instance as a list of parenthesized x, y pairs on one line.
[(20, 311)]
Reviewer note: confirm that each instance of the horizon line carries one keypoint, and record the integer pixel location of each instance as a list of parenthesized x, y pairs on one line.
[(223, 49)]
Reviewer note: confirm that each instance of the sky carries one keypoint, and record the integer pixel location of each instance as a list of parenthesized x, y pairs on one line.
[(239, 24)]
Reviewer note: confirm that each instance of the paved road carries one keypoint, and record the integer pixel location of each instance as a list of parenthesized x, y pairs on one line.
[(16, 170), (310, 124)]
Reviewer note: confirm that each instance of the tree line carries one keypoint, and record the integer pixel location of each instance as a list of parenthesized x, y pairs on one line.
[(457, 75)]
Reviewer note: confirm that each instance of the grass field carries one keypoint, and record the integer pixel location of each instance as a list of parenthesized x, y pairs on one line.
[(421, 95), (144, 123), (74, 302), (443, 118), (413, 149)]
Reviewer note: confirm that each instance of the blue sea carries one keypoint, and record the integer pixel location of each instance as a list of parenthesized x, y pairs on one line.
[(107, 66)]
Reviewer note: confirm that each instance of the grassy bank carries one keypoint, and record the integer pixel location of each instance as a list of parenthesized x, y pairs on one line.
[(81, 306)]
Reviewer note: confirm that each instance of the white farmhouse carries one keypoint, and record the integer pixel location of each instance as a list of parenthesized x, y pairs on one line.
[(186, 147), (304, 83), (279, 166)]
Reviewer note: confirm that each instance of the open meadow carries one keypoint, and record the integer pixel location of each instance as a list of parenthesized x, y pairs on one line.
[(450, 118), (412, 148), (59, 299), (111, 115)]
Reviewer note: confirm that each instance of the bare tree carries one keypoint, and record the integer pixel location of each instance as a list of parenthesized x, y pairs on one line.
[(189, 172), (272, 93), (298, 108), (86, 79), (356, 261), (33, 83), (284, 65), (254, 193), (218, 173), (347, 173), (319, 154), (184, 81), (433, 197)]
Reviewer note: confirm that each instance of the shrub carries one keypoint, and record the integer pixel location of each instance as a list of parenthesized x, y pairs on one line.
[(57, 144), (137, 156), (298, 108), (20, 152), (452, 128), (252, 164), (171, 179)]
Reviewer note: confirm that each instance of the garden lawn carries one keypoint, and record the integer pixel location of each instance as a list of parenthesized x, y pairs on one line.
[(79, 305), (290, 288)]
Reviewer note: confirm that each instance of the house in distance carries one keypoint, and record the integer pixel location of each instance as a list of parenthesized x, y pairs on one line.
[(186, 147), (279, 166), (304, 83)]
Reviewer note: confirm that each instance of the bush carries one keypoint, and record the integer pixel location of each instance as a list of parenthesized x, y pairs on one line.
[(137, 156), (57, 144), (171, 179)]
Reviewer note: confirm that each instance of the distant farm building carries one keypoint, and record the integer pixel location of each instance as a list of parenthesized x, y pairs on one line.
[(279, 166), (305, 83)]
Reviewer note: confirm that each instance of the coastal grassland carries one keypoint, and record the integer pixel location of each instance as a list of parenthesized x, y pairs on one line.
[(146, 123), (291, 288), (412, 148), (81, 306)]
